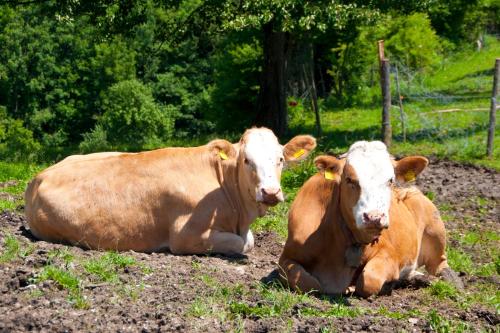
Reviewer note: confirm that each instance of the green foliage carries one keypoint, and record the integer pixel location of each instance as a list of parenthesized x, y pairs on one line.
[(131, 117), (16, 142), (95, 141), (442, 290), (236, 86), (440, 324), (13, 249), (105, 268), (97, 76), (67, 280), (412, 42), (459, 261)]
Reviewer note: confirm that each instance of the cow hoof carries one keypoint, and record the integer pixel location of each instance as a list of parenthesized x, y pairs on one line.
[(450, 276)]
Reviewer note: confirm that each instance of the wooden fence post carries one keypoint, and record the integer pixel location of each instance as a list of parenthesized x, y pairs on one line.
[(386, 104), (493, 109), (381, 55)]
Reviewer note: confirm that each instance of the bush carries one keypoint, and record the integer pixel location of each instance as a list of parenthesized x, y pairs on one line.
[(95, 141), (130, 118), (412, 41), (16, 142), (236, 86)]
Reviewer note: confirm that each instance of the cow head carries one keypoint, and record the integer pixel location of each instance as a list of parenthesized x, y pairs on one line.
[(261, 159), (366, 175)]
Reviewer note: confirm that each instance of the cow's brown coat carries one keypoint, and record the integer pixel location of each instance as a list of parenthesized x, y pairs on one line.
[(190, 200), (325, 250)]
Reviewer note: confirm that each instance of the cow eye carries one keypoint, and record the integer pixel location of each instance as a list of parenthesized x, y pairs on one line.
[(391, 181), (246, 161)]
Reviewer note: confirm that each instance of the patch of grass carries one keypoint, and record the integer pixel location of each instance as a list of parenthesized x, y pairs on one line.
[(67, 280), (459, 261), (64, 254), (431, 195), (339, 310), (486, 294), (14, 249), (383, 311), (132, 291), (278, 301), (442, 290), (18, 171), (105, 268), (471, 238), (200, 307), (275, 220), (440, 324)]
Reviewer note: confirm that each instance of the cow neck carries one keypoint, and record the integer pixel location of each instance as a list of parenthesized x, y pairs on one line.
[(227, 176)]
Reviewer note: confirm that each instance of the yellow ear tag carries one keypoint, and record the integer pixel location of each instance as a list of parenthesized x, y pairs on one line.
[(328, 175), (223, 155), (299, 153), (410, 176)]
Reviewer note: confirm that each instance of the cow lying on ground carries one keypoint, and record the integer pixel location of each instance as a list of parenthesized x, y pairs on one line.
[(350, 225), (190, 200)]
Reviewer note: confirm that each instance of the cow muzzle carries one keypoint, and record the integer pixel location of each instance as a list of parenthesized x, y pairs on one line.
[(375, 220), (271, 196)]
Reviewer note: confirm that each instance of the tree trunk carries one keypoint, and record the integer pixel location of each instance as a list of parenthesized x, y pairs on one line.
[(272, 110)]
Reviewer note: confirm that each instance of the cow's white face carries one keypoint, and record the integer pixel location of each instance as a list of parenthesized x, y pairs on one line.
[(261, 161), (368, 176)]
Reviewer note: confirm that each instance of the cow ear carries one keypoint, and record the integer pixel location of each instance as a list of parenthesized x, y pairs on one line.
[(408, 168), (329, 166), (222, 149), (298, 148)]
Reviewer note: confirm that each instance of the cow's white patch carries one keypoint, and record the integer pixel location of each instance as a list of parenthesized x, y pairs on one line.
[(372, 163), (265, 155)]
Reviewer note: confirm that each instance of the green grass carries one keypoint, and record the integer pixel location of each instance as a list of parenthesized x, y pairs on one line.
[(22, 173), (458, 135), (106, 267), (233, 302), (74, 273), (68, 280), (14, 249), (467, 71), (440, 324), (383, 311), (459, 261), (443, 289)]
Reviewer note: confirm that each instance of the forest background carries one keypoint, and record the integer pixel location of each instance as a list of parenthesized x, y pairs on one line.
[(84, 76)]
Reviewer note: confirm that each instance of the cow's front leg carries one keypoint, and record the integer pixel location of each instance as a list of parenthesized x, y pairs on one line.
[(249, 241), (296, 277), (226, 243), (210, 241), (377, 271)]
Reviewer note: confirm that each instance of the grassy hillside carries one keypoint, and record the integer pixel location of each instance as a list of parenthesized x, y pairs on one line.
[(446, 113)]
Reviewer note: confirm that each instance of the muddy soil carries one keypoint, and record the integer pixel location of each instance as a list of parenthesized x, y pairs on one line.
[(162, 296)]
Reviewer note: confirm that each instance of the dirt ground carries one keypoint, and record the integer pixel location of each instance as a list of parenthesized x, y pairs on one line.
[(162, 292)]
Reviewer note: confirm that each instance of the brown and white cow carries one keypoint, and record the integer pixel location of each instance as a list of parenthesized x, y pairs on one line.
[(351, 225), (190, 200)]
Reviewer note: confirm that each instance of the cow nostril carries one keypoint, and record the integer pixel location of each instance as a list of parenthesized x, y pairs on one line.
[(366, 217)]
